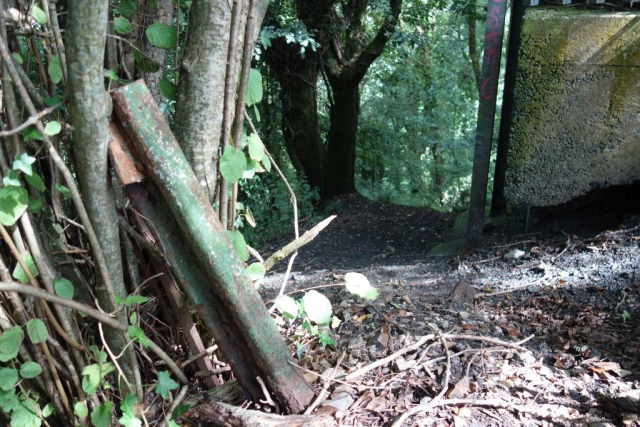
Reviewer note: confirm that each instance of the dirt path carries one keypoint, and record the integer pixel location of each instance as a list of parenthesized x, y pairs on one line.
[(574, 285)]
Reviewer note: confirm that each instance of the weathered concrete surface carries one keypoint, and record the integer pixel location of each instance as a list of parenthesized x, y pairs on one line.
[(577, 107)]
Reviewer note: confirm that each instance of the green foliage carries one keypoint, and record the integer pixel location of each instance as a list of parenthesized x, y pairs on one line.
[(30, 370), (18, 272), (10, 341), (168, 89), (55, 69), (417, 123), (64, 288), (37, 331), (52, 128), (254, 87), (13, 203), (317, 307), (165, 384), (101, 416), (232, 164), (39, 15), (162, 35), (256, 271), (239, 244), (80, 409), (122, 25), (8, 378)]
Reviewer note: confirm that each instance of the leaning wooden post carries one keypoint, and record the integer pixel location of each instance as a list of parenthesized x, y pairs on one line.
[(227, 300), (494, 32)]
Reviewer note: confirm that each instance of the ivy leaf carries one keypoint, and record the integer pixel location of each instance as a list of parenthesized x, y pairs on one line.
[(94, 375), (31, 133), (145, 64), (80, 409), (287, 306), (128, 408), (11, 180), (113, 75), (101, 416), (39, 15), (10, 341), (30, 370), (52, 128), (256, 148), (256, 271), (317, 307), (239, 244), (35, 204), (13, 203), (50, 102), (232, 164), (64, 288), (98, 354), (168, 89), (254, 87), (173, 424), (18, 272), (8, 378), (161, 35), (35, 181), (23, 163), (63, 190), (55, 69), (128, 8), (135, 299), (165, 384), (137, 334), (37, 331), (121, 25)]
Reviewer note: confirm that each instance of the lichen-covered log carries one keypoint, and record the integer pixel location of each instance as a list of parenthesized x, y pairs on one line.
[(225, 298)]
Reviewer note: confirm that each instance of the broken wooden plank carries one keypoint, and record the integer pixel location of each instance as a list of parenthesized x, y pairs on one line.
[(227, 300)]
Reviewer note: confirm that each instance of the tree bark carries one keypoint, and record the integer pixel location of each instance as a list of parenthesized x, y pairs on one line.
[(226, 298), (199, 109), (340, 158), (90, 108), (159, 56)]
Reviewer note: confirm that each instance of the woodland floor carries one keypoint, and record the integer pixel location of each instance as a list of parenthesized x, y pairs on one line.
[(575, 287)]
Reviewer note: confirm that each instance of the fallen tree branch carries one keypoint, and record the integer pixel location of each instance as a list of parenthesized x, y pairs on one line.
[(429, 337), (222, 414), (292, 247), (325, 387), (96, 314), (32, 120), (551, 412)]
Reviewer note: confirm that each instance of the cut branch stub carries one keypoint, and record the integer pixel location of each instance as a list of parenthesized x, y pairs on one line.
[(227, 301)]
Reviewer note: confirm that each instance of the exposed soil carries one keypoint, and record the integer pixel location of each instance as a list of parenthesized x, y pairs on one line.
[(574, 286)]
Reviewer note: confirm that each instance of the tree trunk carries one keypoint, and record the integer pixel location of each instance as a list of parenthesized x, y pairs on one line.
[(159, 56), (340, 158), (90, 108), (300, 125), (199, 109)]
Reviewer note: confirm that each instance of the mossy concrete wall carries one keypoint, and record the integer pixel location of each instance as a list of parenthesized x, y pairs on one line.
[(577, 105)]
